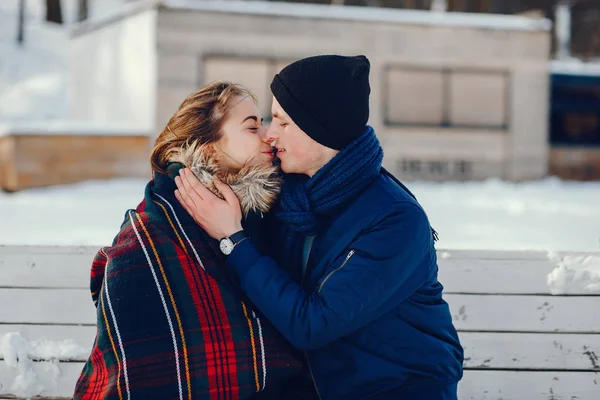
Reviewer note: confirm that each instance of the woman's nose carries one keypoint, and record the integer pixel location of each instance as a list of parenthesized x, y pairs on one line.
[(262, 133), (271, 134)]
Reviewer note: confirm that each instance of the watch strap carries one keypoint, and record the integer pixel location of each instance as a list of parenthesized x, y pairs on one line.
[(238, 237)]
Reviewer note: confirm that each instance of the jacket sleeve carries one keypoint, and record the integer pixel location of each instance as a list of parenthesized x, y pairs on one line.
[(381, 268)]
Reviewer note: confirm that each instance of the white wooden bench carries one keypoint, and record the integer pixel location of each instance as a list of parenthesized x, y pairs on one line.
[(521, 342)]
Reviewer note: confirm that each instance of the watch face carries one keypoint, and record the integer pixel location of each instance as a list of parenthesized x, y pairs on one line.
[(226, 246)]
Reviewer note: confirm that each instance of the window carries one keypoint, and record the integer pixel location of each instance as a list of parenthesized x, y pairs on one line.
[(447, 97), (575, 110), (254, 73), (415, 97), (478, 99)]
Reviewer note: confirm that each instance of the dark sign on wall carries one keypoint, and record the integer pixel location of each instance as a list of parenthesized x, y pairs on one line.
[(435, 169)]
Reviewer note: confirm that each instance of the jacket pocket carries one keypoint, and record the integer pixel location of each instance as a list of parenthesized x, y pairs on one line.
[(348, 257)]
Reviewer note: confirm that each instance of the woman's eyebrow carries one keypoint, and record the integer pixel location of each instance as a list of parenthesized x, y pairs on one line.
[(254, 117)]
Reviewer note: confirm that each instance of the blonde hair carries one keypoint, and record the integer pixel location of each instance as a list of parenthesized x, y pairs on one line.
[(197, 122)]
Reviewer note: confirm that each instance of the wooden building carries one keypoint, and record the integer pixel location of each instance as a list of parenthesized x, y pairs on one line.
[(455, 96)]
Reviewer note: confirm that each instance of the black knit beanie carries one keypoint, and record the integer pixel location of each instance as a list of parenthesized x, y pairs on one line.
[(326, 96)]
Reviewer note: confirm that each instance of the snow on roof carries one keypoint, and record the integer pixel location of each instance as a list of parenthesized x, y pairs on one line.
[(326, 11), (108, 17), (574, 67), (66, 127)]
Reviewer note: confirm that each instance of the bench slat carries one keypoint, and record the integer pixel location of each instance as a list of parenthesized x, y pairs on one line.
[(495, 276), (482, 350), (529, 385), (460, 271), (525, 255), (46, 266), (525, 313), (531, 351), (47, 306), (45, 250), (470, 312), (476, 385)]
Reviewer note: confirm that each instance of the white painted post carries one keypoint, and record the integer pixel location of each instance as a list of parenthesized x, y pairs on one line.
[(562, 31), (439, 5)]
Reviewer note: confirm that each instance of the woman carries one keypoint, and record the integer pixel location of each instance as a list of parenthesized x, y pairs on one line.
[(172, 323)]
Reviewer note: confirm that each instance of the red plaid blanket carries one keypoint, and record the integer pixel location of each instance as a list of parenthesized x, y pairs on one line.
[(171, 322)]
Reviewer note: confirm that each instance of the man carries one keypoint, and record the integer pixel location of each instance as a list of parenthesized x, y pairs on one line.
[(352, 276)]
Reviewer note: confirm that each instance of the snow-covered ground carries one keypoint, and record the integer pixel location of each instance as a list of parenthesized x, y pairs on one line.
[(544, 215)]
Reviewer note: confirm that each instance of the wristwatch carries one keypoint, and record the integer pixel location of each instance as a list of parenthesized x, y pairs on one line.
[(227, 244)]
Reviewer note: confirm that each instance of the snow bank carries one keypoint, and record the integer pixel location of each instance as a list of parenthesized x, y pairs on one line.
[(574, 274), (493, 215), (544, 215), (19, 353)]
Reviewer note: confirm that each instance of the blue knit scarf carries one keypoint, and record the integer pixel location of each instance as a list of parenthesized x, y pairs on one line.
[(305, 203)]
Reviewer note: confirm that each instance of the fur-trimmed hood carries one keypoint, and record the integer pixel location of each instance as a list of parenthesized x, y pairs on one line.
[(256, 187)]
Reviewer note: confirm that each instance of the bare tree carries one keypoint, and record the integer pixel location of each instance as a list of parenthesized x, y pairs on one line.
[(83, 10), (54, 11), (21, 24)]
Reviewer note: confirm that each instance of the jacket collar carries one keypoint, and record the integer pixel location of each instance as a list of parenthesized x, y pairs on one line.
[(256, 187)]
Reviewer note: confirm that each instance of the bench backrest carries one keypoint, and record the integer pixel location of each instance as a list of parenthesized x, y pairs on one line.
[(521, 341)]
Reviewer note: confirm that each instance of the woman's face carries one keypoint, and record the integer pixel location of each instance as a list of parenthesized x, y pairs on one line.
[(243, 141)]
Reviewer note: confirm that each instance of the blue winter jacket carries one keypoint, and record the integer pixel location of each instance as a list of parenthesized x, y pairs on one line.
[(369, 311)]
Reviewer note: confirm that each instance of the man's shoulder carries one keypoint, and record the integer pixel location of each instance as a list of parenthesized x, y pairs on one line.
[(387, 193), (384, 201)]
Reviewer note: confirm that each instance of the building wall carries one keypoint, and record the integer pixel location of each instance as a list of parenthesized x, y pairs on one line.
[(448, 102), (112, 72), (41, 160), (575, 163)]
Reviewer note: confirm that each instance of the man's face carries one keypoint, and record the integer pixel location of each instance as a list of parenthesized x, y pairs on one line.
[(298, 152)]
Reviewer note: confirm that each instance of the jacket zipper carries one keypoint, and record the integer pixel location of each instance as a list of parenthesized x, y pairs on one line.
[(312, 376), (350, 254), (312, 239)]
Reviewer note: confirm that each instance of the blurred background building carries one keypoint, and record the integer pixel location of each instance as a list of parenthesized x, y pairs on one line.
[(461, 89)]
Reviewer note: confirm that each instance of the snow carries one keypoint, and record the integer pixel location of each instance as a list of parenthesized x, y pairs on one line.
[(33, 77), (548, 215), (574, 66), (14, 347), (574, 274), (89, 213), (20, 353)]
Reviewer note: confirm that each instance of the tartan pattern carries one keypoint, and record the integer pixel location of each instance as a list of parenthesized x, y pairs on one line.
[(171, 322)]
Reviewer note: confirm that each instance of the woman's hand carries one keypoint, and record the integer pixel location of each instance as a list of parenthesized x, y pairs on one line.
[(219, 218)]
